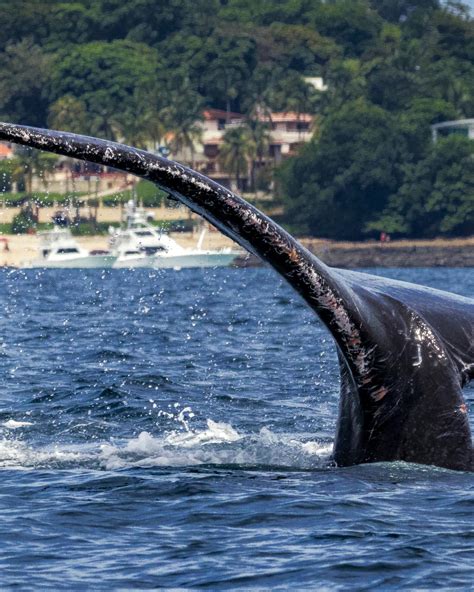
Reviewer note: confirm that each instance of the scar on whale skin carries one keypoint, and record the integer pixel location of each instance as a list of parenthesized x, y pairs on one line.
[(405, 351)]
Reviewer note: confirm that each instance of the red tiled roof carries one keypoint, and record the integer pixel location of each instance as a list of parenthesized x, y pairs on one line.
[(220, 114), (5, 150)]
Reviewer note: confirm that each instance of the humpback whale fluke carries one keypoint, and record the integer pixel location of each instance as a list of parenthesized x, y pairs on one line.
[(405, 351)]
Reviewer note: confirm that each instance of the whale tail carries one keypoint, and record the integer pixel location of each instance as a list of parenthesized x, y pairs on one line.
[(405, 351)]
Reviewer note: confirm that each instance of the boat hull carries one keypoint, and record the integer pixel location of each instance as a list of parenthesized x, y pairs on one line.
[(184, 261), (133, 262), (187, 261), (88, 262)]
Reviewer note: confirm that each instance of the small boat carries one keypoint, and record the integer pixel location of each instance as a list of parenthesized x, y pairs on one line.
[(140, 244), (58, 248)]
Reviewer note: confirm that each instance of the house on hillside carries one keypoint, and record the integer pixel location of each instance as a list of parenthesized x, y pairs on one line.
[(286, 132), (214, 125), (460, 127)]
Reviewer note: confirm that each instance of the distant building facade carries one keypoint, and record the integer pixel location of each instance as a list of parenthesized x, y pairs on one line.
[(460, 127), (317, 82), (287, 131)]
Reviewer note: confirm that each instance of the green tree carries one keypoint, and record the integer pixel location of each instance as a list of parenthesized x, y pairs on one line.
[(153, 21), (29, 162), (284, 55), (236, 152), (259, 133), (293, 47), (415, 122), (437, 194), (398, 10), (68, 114), (221, 68), (67, 23), (293, 93), (7, 167), (25, 220), (345, 175), (351, 23), (347, 81), (182, 116), (24, 75), (264, 14), (108, 78), (21, 20)]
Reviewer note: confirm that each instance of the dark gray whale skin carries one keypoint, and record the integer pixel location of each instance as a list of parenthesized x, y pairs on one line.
[(405, 351)]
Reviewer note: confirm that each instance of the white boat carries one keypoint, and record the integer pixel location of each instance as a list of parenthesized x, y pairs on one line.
[(58, 248), (140, 244), (134, 245), (176, 257)]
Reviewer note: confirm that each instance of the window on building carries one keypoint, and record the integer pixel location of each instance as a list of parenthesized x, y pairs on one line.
[(454, 131), (211, 150)]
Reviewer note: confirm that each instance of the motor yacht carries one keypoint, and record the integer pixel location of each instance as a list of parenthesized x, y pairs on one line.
[(58, 248), (140, 244)]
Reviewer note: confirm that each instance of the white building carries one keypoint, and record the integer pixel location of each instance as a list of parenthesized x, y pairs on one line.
[(317, 82), (287, 131), (461, 127)]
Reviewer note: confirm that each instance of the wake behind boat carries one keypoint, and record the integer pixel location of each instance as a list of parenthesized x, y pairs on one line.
[(140, 244), (59, 249)]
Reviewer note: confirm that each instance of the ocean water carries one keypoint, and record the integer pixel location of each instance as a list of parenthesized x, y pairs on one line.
[(163, 429)]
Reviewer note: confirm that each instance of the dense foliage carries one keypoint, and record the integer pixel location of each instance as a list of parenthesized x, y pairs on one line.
[(136, 69)]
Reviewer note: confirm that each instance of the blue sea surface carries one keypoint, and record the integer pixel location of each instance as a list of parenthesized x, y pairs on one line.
[(174, 429)]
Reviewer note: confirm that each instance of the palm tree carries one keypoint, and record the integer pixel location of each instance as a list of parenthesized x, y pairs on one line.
[(69, 114), (102, 117), (182, 116), (155, 121), (141, 121), (29, 162), (103, 123), (133, 129), (186, 133), (237, 150), (260, 133)]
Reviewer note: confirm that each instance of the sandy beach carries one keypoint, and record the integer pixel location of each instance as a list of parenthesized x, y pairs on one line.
[(403, 253)]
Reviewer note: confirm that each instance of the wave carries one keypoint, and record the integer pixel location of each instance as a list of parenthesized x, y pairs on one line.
[(218, 444)]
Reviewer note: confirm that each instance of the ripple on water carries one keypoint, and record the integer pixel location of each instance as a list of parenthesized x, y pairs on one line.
[(175, 430)]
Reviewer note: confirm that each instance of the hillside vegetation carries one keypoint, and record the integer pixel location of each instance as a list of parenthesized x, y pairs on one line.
[(137, 69)]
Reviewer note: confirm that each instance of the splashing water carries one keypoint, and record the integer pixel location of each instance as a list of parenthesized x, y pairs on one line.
[(218, 444)]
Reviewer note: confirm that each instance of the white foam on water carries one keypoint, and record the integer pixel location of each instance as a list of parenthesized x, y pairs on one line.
[(12, 424), (17, 454), (216, 433), (218, 443)]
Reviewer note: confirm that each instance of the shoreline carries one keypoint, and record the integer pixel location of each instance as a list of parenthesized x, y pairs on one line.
[(402, 253)]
